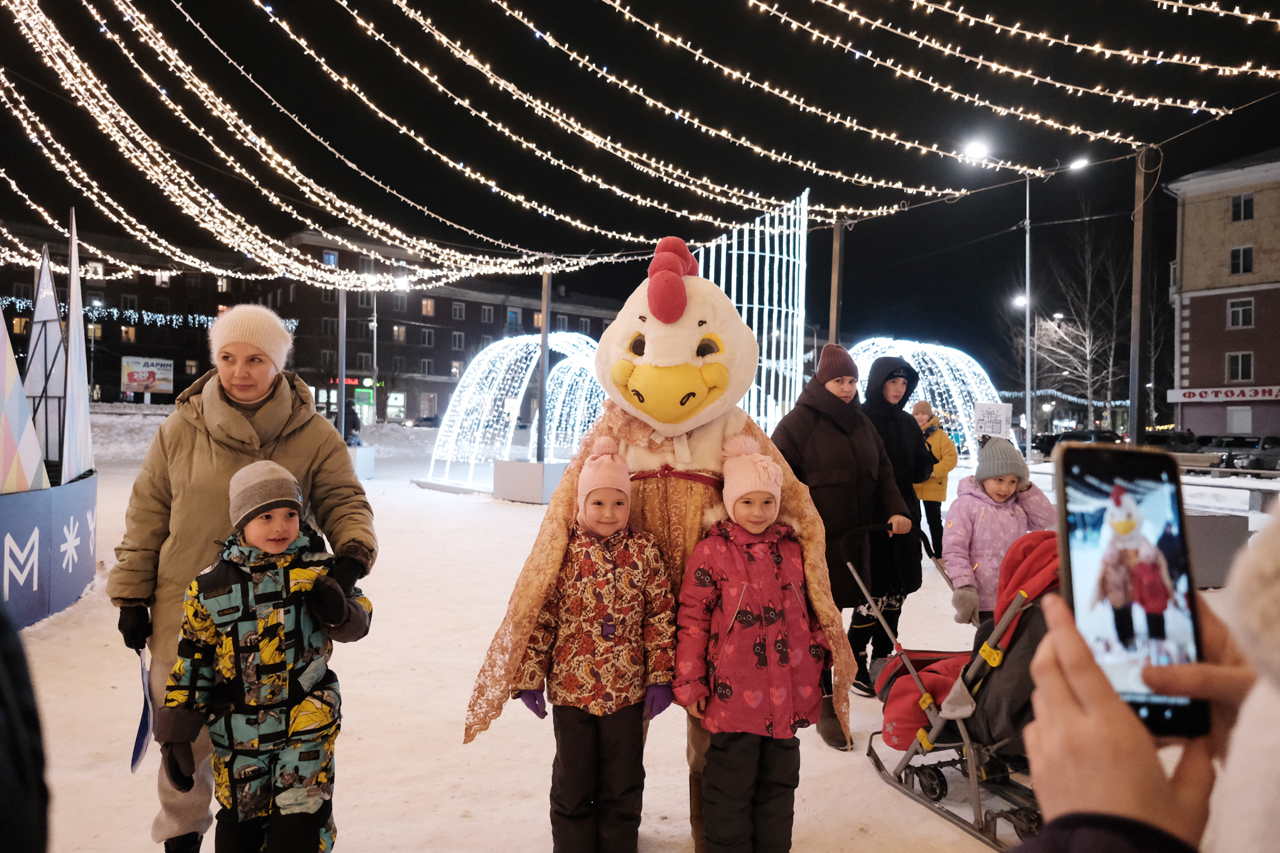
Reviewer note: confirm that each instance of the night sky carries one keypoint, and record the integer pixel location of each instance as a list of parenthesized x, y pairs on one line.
[(925, 273)]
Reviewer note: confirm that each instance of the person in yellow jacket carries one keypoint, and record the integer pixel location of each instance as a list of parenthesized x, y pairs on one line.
[(933, 492)]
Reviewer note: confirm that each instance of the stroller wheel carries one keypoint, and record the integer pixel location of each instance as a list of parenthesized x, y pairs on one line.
[(932, 783), (1026, 823)]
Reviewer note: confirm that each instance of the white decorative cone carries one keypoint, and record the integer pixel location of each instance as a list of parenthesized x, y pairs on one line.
[(46, 371), (21, 463), (77, 439)]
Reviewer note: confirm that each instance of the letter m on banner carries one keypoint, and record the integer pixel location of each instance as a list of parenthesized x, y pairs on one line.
[(21, 562)]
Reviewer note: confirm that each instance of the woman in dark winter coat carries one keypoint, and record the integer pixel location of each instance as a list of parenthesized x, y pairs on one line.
[(834, 450), (895, 561)]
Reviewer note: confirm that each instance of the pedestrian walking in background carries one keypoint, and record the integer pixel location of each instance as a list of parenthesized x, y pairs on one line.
[(933, 491)]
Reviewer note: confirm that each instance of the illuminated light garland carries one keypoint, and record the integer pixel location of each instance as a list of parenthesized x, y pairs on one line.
[(1215, 9), (852, 124), (25, 256), (949, 50), (149, 158), (950, 380), (561, 119), (322, 197), (1130, 56), (574, 401), (134, 318)]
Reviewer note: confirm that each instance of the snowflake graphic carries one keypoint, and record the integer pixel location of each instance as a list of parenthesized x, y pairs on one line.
[(93, 535), (71, 541)]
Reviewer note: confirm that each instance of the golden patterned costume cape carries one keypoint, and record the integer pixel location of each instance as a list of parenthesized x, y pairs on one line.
[(674, 511)]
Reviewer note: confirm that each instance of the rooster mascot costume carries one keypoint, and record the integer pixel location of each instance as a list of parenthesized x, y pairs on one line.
[(674, 365)]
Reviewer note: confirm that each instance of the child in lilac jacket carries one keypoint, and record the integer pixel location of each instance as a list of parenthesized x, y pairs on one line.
[(996, 505)]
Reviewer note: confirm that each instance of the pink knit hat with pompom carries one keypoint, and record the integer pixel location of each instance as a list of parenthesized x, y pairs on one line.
[(604, 469), (748, 470)]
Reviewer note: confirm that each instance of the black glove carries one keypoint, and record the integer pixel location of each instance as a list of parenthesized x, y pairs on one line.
[(135, 626), (346, 571), (179, 764), (326, 601)]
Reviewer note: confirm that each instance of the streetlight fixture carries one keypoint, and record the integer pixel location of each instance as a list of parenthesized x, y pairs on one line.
[(1079, 163), (977, 149), (93, 345)]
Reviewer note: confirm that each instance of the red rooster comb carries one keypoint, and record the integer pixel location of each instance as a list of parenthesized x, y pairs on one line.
[(671, 261), (1117, 492)]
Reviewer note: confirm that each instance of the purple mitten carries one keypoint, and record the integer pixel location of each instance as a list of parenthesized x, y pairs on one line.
[(657, 698), (534, 701)]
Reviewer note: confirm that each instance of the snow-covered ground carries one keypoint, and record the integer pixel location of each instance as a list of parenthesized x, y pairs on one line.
[(405, 781)]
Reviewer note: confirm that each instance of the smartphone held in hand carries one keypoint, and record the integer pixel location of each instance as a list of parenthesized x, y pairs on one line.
[(1126, 575)]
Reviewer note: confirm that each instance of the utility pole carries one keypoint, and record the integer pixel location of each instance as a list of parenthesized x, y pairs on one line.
[(1139, 333), (837, 277), (1026, 224), (374, 327), (342, 364), (544, 364)]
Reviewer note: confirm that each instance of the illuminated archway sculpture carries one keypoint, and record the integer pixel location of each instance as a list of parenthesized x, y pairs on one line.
[(950, 380), (481, 418), (574, 401)]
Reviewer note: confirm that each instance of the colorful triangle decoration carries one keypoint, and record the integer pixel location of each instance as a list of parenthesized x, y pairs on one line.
[(21, 463), (77, 440), (46, 368)]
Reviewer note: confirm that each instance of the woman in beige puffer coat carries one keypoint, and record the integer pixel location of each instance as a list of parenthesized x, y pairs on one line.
[(245, 410)]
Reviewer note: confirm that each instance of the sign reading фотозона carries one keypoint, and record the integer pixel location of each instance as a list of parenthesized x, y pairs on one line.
[(992, 418), (146, 375), (1212, 395)]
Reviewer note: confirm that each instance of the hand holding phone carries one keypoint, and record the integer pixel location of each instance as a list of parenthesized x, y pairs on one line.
[(1126, 575)]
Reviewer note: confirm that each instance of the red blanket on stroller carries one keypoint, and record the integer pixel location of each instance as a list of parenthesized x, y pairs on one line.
[(1030, 565)]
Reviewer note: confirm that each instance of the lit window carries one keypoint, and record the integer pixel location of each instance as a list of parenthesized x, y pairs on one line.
[(537, 320), (427, 367), (459, 310), (128, 302), (428, 308), (365, 299), (400, 302), (193, 367), (162, 278), (428, 337), (397, 364), (1241, 260), (457, 369), (364, 361), (222, 284), (1240, 313), (459, 340), (584, 325), (93, 269), (485, 340), (486, 313), (330, 259), (1242, 207), (94, 331), (21, 325), (399, 334), (562, 323), (1239, 367), (513, 317), (329, 325), (128, 335)]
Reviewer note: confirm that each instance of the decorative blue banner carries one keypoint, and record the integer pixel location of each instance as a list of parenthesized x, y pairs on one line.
[(50, 548)]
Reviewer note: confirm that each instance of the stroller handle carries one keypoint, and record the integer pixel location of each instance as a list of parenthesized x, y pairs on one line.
[(883, 527)]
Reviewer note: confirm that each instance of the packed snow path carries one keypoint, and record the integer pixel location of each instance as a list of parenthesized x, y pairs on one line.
[(446, 566)]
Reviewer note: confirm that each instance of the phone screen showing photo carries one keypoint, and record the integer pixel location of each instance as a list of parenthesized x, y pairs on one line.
[(1130, 583)]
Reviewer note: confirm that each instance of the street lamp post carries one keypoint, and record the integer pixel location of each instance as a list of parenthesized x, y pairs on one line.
[(1027, 322)]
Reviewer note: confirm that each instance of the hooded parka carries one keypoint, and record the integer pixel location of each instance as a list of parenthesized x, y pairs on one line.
[(833, 449), (943, 451), (912, 463), (179, 511)]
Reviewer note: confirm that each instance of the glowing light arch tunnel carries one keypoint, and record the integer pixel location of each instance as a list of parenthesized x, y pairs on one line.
[(950, 380), (481, 419)]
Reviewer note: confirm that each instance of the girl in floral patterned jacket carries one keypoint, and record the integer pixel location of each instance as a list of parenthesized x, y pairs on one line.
[(605, 645), (749, 656)]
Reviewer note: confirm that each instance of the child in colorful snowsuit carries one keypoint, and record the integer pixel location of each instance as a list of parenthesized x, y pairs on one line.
[(749, 656), (605, 645), (1133, 570), (996, 506), (253, 666)]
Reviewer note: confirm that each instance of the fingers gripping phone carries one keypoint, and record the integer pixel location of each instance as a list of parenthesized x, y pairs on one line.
[(1126, 575)]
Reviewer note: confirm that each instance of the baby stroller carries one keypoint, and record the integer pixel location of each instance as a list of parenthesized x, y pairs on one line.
[(976, 727)]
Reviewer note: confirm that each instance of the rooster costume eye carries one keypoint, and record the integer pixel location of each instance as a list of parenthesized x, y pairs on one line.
[(706, 347), (637, 345)]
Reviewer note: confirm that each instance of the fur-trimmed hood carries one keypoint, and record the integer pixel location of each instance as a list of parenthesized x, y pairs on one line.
[(1254, 590)]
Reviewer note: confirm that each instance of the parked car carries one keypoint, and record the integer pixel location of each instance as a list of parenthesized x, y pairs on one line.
[(1043, 442), (1247, 452), (1095, 436), (427, 421), (1174, 441)]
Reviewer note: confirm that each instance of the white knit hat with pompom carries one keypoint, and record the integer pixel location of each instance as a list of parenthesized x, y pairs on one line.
[(748, 470), (604, 469)]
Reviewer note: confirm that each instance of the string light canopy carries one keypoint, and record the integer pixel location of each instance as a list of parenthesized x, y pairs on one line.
[(1132, 56), (98, 313), (1215, 9)]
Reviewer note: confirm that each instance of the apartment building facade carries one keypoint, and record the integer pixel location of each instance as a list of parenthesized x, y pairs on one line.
[(1226, 297)]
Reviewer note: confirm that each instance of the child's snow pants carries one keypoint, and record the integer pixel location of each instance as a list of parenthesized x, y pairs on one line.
[(749, 792), (597, 780)]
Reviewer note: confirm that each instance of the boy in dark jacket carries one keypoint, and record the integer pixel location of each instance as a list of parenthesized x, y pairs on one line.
[(605, 644), (749, 655), (253, 666)]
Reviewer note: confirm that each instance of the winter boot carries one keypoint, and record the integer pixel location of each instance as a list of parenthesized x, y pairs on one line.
[(862, 683), (189, 843), (829, 726)]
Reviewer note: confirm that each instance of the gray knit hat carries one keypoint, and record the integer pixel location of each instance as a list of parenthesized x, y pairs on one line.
[(260, 487), (998, 458)]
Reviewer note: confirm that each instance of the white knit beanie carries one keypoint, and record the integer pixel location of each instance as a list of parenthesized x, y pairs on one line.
[(254, 325), (259, 487), (748, 470)]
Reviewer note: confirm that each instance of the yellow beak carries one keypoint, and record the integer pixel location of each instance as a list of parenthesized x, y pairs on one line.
[(1124, 528), (670, 395)]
